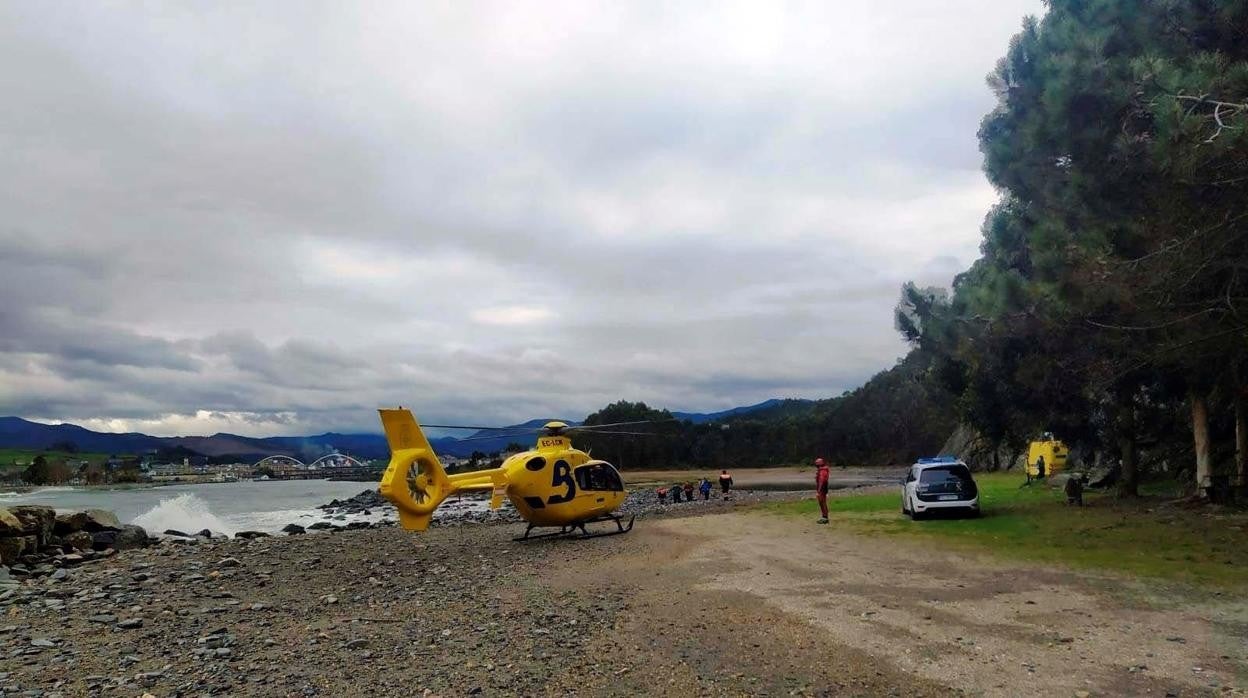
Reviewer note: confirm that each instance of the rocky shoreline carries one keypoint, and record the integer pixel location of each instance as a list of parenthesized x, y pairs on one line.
[(299, 615), (472, 509), (36, 541)]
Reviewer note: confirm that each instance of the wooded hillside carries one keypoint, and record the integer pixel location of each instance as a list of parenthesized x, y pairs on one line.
[(1110, 297)]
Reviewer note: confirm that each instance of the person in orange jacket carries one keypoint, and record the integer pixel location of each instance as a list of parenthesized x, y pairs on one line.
[(821, 488)]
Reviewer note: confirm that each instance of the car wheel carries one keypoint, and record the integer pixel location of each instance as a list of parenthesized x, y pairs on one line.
[(915, 513)]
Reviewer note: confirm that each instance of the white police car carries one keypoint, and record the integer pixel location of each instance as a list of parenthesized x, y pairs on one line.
[(941, 485)]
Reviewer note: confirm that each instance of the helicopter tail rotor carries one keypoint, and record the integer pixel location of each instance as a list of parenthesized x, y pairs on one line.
[(415, 481)]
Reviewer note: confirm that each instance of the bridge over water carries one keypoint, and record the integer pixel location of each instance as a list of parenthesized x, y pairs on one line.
[(331, 465)]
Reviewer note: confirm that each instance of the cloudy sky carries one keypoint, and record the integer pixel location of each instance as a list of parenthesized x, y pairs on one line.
[(274, 217)]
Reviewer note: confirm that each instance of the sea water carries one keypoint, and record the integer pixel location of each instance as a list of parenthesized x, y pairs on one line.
[(227, 507)]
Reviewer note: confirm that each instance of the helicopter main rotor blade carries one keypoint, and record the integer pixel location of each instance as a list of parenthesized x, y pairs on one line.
[(465, 426), (630, 433), (588, 427), (499, 436)]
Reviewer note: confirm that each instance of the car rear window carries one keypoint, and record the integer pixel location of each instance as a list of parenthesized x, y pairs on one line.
[(951, 478)]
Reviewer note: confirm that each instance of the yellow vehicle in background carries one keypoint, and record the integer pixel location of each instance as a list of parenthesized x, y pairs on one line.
[(1047, 451)]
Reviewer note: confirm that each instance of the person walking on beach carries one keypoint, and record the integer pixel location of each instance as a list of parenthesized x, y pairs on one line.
[(821, 488), (725, 482), (688, 491), (675, 490), (662, 492), (705, 488)]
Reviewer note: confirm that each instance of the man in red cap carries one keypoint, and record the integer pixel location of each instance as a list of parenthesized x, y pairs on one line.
[(821, 488)]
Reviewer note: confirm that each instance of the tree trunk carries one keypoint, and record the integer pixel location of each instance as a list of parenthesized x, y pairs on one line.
[(1241, 438), (1200, 437), (1129, 477)]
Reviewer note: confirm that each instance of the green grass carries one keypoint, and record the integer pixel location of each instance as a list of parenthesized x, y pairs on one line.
[(10, 456), (1198, 546)]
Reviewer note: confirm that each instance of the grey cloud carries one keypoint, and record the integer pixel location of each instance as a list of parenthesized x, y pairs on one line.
[(278, 216)]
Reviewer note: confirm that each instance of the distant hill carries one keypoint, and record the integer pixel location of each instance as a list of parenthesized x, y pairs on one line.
[(16, 432), (774, 407)]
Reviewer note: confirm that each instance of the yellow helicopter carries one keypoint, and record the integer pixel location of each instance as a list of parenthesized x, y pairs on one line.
[(553, 485)]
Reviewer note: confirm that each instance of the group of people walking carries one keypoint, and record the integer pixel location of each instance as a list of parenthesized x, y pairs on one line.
[(686, 491)]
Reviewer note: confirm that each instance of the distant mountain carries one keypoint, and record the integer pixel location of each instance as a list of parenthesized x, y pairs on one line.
[(16, 432), (769, 408)]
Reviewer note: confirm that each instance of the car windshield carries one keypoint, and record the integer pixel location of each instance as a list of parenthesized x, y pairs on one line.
[(946, 479)]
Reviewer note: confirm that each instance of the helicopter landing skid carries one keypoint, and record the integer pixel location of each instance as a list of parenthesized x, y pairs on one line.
[(620, 527)]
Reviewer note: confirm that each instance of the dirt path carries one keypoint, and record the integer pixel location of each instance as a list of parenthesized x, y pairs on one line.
[(985, 626)]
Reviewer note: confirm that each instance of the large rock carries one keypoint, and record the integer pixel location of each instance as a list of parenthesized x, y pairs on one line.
[(100, 520), (131, 536), (70, 522), (89, 520), (10, 525), (11, 548), (36, 521), (976, 451), (103, 540), (78, 540), (249, 535)]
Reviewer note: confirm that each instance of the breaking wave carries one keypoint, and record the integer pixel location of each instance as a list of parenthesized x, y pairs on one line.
[(186, 513)]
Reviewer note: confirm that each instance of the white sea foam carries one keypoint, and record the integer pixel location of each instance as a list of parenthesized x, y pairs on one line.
[(10, 494), (186, 513)]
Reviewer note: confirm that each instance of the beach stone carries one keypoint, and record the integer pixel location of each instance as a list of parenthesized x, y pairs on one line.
[(176, 532), (293, 529), (78, 540), (249, 535), (10, 525)]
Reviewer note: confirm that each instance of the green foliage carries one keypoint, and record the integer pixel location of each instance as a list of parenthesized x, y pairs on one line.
[(895, 417), (39, 472), (1111, 280)]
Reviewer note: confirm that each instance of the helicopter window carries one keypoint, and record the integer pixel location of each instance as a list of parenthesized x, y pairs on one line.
[(599, 477), (536, 464)]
